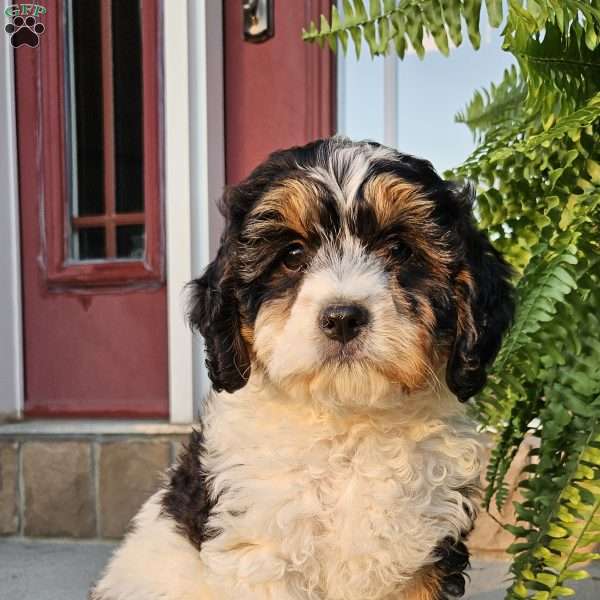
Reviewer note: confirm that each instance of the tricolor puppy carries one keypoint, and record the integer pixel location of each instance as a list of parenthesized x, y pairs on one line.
[(352, 305)]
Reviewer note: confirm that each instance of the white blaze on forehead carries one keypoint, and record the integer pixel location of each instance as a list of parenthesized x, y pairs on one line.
[(343, 170)]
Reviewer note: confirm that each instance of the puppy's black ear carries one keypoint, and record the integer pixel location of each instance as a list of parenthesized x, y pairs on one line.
[(214, 312), (485, 304)]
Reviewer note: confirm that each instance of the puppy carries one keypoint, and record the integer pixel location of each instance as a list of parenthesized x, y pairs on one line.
[(351, 303)]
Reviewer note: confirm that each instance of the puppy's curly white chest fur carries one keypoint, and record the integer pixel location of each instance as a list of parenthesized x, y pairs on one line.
[(342, 507)]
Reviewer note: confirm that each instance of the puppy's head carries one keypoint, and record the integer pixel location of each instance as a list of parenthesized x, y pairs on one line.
[(351, 272)]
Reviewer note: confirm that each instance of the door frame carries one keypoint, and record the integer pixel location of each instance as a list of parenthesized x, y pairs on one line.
[(11, 346), (194, 148)]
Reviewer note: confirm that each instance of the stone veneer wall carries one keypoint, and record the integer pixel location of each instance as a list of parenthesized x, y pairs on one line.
[(90, 485), (80, 487)]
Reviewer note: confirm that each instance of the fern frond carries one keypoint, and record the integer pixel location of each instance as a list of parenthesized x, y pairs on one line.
[(561, 498), (566, 520), (561, 71), (569, 124), (403, 22), (494, 108)]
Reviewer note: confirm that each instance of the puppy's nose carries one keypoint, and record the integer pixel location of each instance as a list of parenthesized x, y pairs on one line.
[(343, 322)]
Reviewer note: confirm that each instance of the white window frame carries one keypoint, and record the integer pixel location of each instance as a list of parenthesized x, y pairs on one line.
[(390, 100)]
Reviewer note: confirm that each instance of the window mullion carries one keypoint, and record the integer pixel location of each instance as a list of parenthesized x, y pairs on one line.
[(109, 130)]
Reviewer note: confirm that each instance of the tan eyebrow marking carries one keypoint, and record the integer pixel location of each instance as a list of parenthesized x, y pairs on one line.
[(295, 201), (393, 199), (396, 201)]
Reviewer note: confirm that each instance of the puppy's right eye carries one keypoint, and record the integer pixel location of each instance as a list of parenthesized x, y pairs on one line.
[(400, 252), (294, 258)]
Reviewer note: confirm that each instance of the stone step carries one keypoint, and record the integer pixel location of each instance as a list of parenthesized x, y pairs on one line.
[(80, 480)]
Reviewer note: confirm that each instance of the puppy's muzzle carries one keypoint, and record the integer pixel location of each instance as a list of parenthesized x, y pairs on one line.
[(343, 322)]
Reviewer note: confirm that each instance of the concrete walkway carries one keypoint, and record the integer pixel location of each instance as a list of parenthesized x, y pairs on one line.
[(36, 570), (39, 570)]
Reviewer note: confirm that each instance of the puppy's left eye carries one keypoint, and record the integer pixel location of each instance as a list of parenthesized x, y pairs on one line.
[(294, 258), (400, 252)]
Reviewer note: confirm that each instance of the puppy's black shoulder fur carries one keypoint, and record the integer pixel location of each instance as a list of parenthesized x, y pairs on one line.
[(187, 497)]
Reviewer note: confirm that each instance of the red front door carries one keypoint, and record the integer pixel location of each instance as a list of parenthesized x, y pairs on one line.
[(90, 191), (278, 93)]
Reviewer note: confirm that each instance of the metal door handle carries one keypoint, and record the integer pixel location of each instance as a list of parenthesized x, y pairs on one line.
[(258, 20)]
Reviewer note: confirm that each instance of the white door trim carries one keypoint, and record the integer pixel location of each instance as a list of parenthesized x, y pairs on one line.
[(207, 150), (177, 208), (11, 338), (194, 176)]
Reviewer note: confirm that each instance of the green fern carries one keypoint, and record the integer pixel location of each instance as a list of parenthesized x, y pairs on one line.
[(403, 23), (516, 393), (570, 124), (495, 108)]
